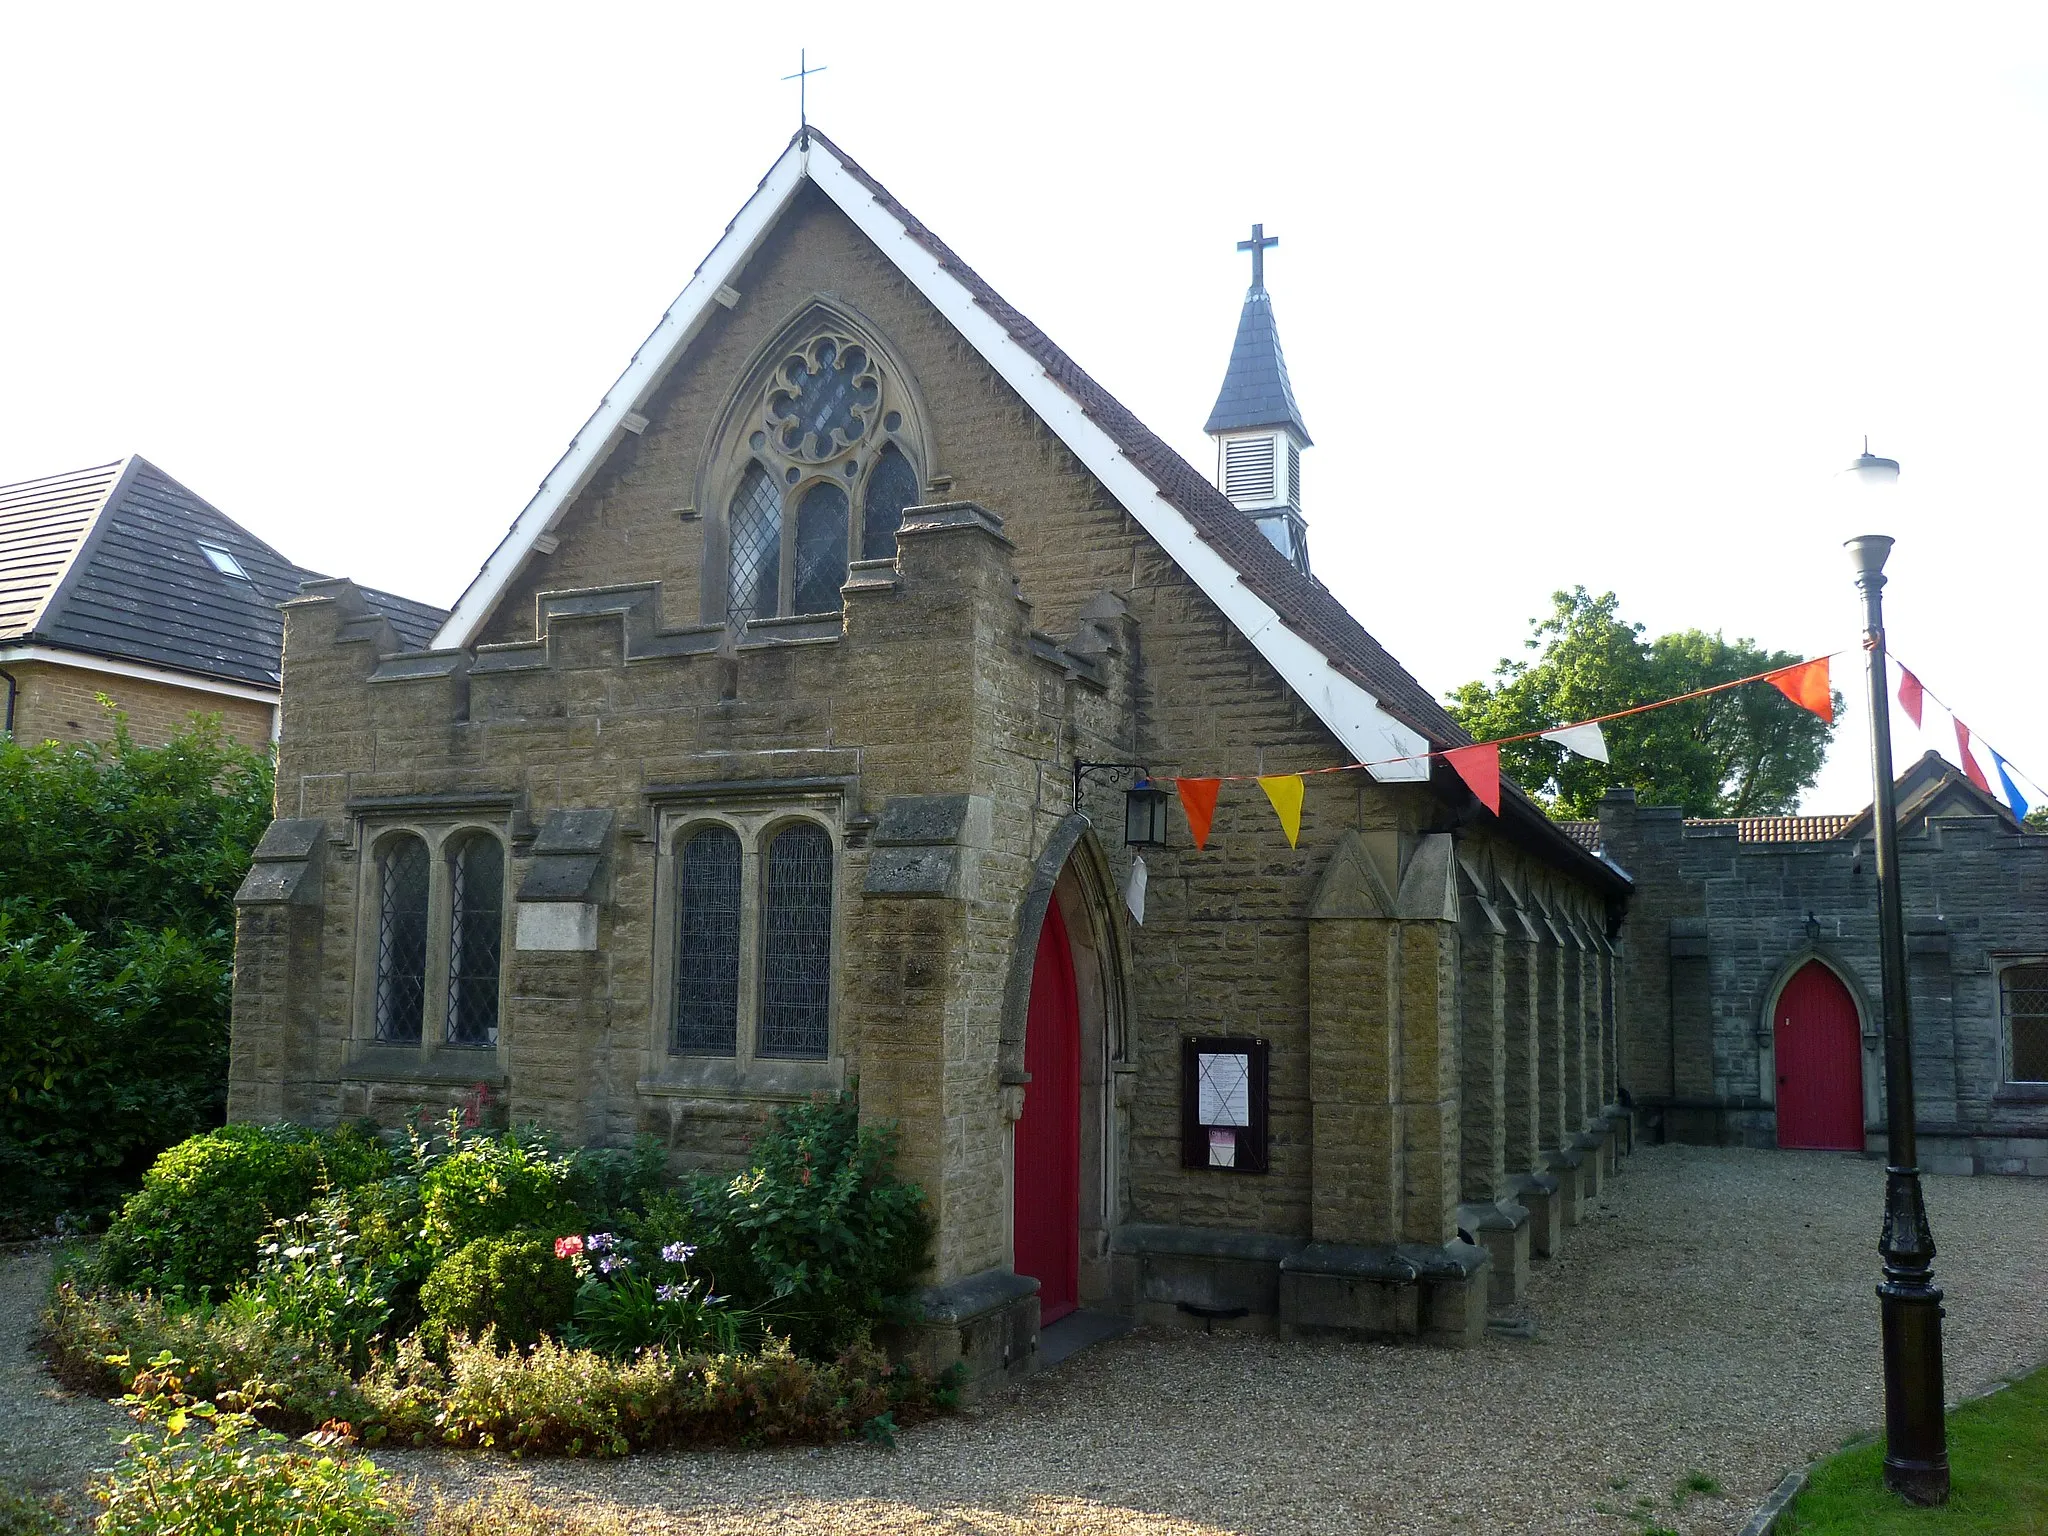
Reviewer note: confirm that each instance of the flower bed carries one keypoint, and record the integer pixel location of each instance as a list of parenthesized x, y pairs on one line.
[(485, 1289)]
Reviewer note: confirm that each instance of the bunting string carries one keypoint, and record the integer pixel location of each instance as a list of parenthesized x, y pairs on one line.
[(1808, 684)]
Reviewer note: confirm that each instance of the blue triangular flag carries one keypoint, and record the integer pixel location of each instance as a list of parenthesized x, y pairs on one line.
[(2013, 800)]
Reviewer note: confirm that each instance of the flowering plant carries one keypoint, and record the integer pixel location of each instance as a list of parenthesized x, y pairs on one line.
[(625, 1307)]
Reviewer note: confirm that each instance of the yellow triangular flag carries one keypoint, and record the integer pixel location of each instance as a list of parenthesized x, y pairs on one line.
[(1284, 790)]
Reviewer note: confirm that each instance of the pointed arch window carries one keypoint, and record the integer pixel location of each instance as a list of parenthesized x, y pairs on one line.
[(708, 949), (796, 959), (821, 456), (476, 929), (403, 874)]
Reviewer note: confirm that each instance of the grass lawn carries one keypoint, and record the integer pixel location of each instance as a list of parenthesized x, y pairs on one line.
[(1998, 1463)]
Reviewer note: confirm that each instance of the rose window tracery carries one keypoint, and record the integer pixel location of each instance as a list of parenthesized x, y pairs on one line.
[(821, 477)]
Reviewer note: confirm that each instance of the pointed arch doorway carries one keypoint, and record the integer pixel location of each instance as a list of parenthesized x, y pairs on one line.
[(1046, 1171), (1818, 1042)]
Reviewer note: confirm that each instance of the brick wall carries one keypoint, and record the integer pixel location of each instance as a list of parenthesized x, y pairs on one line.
[(59, 703)]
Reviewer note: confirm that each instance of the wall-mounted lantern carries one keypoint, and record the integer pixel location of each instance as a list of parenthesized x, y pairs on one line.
[(1145, 815), (1144, 802), (1812, 931)]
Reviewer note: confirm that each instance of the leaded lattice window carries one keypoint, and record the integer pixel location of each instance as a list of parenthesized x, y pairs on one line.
[(820, 548), (708, 944), (2025, 989), (755, 520), (891, 487), (796, 959), (403, 874), (821, 453), (476, 928)]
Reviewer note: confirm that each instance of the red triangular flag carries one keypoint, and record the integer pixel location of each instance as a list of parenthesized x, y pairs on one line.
[(1911, 695), (1807, 686), (1970, 768), (1479, 767), (1198, 799)]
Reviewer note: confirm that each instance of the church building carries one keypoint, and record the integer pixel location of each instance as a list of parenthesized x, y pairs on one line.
[(805, 734)]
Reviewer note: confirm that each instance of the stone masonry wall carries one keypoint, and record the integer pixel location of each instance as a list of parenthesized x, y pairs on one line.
[(1717, 926)]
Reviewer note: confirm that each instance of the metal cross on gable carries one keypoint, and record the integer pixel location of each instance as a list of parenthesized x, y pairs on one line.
[(802, 79), (1258, 245)]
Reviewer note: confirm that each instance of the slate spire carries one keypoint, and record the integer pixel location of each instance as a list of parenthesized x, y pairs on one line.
[(1256, 392), (1257, 426)]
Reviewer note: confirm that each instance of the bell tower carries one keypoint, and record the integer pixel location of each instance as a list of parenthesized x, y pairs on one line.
[(1257, 426)]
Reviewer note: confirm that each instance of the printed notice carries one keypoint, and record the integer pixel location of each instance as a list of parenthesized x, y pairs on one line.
[(1222, 1147), (1225, 1080)]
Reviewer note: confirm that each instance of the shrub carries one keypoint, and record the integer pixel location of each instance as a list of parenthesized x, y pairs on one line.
[(577, 1402), (29, 1514), (118, 867), (315, 1279), (224, 1347), (514, 1284), (204, 1205), (606, 1182), (818, 1236), (489, 1185), (197, 1466)]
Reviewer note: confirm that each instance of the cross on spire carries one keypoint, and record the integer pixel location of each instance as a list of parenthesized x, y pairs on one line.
[(1258, 245), (802, 79)]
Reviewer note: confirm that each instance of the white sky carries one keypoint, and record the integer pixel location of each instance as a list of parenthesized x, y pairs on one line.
[(1570, 294)]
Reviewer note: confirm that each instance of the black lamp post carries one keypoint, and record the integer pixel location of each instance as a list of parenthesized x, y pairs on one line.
[(1909, 1302)]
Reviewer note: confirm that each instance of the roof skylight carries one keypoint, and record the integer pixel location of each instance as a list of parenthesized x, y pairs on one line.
[(224, 562)]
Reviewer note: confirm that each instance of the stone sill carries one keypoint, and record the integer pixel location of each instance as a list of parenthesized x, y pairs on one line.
[(726, 1077), (2020, 1093), (457, 1064)]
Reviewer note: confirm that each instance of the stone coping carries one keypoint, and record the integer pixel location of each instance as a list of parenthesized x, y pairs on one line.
[(962, 1301)]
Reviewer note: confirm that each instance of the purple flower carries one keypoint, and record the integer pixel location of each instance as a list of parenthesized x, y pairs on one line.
[(679, 1253), (607, 1266), (598, 1242), (671, 1292)]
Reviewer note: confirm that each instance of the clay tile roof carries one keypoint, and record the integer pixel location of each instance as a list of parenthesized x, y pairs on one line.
[(1778, 829), (1585, 833)]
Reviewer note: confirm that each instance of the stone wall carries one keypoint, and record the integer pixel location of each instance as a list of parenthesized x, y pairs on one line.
[(60, 703), (1718, 925)]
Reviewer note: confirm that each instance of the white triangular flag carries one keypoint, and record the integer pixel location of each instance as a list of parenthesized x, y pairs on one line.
[(1586, 740), (1134, 890)]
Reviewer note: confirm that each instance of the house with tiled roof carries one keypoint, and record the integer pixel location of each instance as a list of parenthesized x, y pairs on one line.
[(118, 584), (868, 702)]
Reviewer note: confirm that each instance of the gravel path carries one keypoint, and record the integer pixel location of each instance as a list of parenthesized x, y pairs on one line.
[(1713, 1316)]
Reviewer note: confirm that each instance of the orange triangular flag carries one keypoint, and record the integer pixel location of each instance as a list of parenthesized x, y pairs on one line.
[(1284, 790), (1198, 799), (1479, 767), (1807, 686)]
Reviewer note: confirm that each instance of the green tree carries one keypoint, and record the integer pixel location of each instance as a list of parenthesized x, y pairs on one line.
[(2037, 818), (118, 868), (1746, 752)]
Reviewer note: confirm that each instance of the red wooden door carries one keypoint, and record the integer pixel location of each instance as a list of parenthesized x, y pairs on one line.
[(1047, 1169), (1820, 1064)]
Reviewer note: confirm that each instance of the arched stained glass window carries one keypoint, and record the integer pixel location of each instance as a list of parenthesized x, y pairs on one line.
[(796, 960), (708, 944), (892, 486), (403, 870), (476, 927), (755, 520), (820, 548)]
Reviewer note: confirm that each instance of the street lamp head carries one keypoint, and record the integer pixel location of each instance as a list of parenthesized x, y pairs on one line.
[(1867, 553), (1868, 470)]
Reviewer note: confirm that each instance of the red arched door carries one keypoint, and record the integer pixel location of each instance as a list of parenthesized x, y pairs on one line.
[(1047, 1170), (1820, 1063)]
